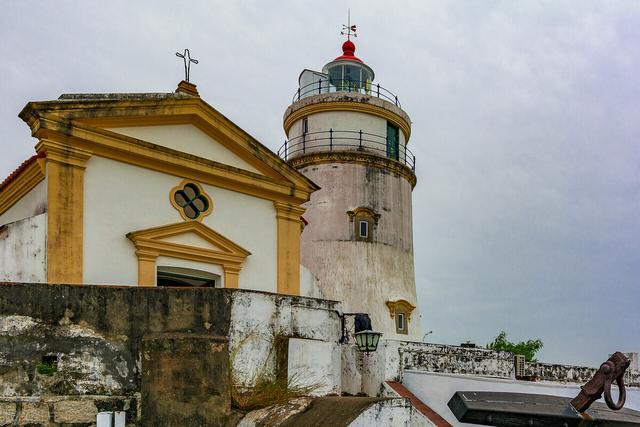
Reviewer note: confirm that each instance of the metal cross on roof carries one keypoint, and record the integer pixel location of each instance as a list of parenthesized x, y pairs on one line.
[(349, 30), (186, 57)]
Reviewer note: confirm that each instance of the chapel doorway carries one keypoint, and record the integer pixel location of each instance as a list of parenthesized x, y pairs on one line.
[(187, 277)]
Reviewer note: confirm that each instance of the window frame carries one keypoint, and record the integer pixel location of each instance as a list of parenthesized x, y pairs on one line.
[(364, 222)]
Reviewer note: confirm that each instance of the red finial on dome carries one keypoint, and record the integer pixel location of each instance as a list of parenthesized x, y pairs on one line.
[(348, 50)]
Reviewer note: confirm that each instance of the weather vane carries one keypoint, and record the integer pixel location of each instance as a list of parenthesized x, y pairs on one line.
[(349, 30), (186, 57)]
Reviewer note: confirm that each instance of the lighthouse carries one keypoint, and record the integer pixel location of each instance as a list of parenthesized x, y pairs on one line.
[(350, 136)]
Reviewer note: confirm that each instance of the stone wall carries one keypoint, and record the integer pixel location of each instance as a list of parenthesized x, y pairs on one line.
[(572, 374), (366, 374), (65, 347)]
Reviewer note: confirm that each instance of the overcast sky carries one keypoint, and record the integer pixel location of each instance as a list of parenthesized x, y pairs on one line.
[(526, 125)]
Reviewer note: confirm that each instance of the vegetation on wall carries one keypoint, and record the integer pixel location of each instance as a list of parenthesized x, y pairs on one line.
[(272, 384), (527, 348)]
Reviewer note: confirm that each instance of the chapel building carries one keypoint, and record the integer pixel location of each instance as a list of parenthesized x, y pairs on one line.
[(150, 189)]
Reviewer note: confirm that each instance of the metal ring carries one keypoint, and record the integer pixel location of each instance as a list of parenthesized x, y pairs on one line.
[(622, 393)]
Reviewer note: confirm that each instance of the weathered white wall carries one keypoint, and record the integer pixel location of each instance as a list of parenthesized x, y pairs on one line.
[(23, 255), (363, 275), (258, 319), (31, 204), (121, 198), (309, 286), (390, 413), (315, 363), (435, 389), (188, 139)]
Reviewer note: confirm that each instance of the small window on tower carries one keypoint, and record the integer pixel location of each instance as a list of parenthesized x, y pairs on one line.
[(364, 222), (364, 229), (305, 125), (401, 325)]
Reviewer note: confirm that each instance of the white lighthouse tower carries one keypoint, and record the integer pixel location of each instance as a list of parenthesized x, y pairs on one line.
[(349, 135)]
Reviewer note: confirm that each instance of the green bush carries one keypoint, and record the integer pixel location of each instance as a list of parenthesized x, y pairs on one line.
[(45, 368), (527, 348)]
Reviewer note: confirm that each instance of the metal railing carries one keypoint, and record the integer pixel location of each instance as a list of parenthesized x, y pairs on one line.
[(347, 140), (353, 86)]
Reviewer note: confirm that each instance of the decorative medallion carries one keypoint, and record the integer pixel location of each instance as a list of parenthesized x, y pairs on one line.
[(191, 201)]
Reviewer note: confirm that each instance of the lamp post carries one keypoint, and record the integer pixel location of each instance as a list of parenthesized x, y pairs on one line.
[(366, 339)]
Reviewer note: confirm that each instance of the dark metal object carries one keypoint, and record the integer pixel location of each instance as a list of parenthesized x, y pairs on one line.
[(345, 140), (520, 409), (611, 370), (354, 86), (366, 339), (186, 57)]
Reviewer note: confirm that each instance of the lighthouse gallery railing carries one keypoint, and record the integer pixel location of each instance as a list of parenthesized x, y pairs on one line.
[(346, 140), (353, 86)]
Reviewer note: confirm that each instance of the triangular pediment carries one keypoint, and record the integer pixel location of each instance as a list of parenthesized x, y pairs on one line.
[(168, 132), (187, 239), (189, 139)]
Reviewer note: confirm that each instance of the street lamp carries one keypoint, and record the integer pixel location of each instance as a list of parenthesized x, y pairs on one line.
[(366, 339)]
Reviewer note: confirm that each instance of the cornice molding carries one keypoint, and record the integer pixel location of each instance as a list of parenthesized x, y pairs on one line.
[(358, 158), (354, 105), (28, 178), (79, 137)]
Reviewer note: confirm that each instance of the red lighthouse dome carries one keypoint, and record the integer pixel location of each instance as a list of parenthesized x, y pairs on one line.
[(348, 50)]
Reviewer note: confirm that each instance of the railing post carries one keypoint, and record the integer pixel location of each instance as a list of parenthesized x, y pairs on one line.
[(414, 163), (331, 139), (319, 86), (298, 95), (360, 145), (396, 100), (285, 149), (378, 90)]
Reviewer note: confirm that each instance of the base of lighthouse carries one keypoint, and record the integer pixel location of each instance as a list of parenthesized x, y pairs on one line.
[(374, 274)]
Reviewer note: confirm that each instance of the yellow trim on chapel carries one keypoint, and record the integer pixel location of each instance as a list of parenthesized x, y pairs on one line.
[(140, 153), (150, 245), (65, 203), (69, 133), (289, 228), (31, 176), (180, 209)]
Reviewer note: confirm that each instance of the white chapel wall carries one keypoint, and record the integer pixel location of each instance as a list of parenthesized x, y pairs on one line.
[(121, 198), (188, 139), (31, 204), (23, 254)]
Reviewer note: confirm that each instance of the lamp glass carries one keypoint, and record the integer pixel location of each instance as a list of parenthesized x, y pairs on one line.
[(367, 341)]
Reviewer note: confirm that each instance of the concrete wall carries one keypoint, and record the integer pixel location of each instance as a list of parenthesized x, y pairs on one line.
[(573, 374), (121, 198), (188, 139), (31, 204), (23, 251), (259, 323), (392, 413), (363, 275), (367, 373), (97, 336)]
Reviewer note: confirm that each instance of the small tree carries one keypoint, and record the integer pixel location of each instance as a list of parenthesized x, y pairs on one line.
[(527, 348)]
